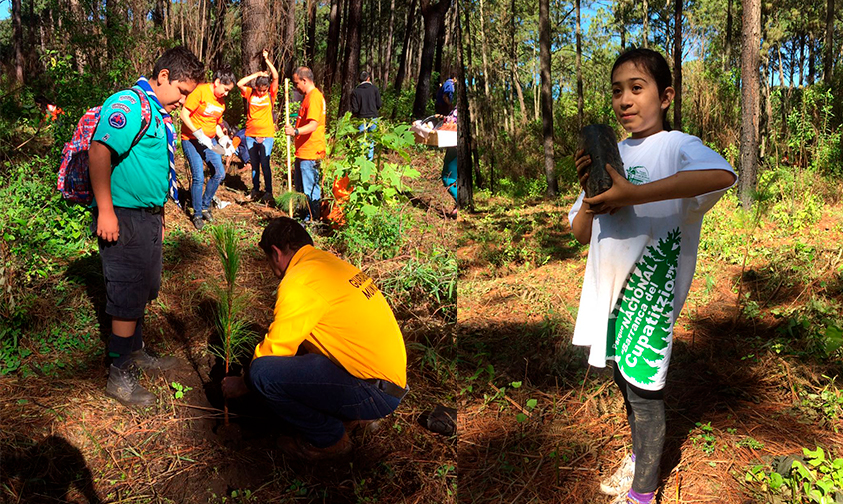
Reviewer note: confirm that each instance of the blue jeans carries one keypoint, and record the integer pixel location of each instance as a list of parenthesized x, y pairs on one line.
[(306, 180), (369, 125), (194, 152), (316, 396), (259, 156), (449, 171)]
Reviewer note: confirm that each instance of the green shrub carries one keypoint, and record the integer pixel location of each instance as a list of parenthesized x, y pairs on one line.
[(377, 236), (425, 278)]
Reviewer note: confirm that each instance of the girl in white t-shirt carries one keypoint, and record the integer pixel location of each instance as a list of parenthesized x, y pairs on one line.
[(643, 235)]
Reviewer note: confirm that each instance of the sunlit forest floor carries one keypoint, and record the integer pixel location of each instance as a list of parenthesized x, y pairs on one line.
[(63, 440), (745, 387)]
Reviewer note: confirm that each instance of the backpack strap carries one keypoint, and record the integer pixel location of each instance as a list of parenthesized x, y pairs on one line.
[(146, 115)]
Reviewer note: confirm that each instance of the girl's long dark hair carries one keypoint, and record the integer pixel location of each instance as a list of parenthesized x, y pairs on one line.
[(225, 75), (653, 63)]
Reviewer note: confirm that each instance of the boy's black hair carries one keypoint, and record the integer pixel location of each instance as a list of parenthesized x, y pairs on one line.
[(225, 75), (182, 64), (286, 234), (304, 73), (654, 64), (364, 76), (262, 81)]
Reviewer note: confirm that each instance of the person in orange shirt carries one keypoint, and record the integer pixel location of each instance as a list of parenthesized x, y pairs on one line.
[(309, 134), (201, 117), (334, 358), (260, 127)]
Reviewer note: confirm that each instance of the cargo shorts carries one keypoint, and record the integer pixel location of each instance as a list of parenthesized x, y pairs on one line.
[(132, 265)]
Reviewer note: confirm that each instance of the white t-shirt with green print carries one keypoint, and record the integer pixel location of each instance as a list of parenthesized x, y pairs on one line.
[(641, 261)]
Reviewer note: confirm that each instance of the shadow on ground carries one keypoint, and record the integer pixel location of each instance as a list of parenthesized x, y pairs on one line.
[(50, 470)]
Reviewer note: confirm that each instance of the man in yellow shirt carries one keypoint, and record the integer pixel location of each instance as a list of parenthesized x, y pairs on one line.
[(309, 135), (355, 366)]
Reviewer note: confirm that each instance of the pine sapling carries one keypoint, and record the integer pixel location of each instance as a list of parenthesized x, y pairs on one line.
[(234, 332)]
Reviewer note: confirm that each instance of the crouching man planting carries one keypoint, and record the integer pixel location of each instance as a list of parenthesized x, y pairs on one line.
[(334, 356)]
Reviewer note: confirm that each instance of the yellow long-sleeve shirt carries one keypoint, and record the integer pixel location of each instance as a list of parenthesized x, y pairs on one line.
[(337, 311)]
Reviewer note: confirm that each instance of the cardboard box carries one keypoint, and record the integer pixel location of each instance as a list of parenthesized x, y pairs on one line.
[(442, 139)]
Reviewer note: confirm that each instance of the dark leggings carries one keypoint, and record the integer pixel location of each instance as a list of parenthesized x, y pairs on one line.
[(645, 412)]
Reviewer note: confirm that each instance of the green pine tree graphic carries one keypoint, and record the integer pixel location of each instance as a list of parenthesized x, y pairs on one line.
[(643, 325)]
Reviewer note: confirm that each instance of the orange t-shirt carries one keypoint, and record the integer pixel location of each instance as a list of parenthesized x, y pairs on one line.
[(259, 122), (312, 145), (205, 111)]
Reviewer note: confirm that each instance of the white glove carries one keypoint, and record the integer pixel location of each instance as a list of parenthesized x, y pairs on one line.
[(225, 141), (203, 139), (229, 150)]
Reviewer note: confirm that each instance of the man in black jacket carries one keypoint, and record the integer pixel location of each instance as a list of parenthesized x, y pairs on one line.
[(365, 103)]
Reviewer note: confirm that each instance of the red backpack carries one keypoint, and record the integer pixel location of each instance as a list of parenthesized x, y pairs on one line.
[(74, 179)]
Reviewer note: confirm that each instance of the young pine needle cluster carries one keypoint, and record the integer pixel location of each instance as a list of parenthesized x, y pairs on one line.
[(236, 338)]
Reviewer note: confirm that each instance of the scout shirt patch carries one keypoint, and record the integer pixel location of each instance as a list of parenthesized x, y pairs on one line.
[(127, 98), (117, 120), (120, 106), (641, 326)]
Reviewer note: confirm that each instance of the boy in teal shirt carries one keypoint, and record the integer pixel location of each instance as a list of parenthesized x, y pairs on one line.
[(131, 185)]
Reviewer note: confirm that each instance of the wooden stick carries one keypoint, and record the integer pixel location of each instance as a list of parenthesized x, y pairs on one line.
[(286, 119)]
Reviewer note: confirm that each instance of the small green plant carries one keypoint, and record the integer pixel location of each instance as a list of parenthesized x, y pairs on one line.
[(705, 438), (180, 389), (750, 442), (812, 478)]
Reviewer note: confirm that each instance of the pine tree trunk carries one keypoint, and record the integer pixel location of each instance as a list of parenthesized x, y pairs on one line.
[(351, 64), (828, 60), (405, 51), (749, 99), (311, 32), (255, 30), (333, 42), (465, 161), (289, 41), (433, 16), (727, 53), (579, 70), (646, 24), (18, 40), (386, 64), (547, 98), (677, 65)]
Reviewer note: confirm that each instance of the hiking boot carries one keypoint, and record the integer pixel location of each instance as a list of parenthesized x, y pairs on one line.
[(198, 222), (301, 449), (207, 215), (621, 481), (254, 195), (149, 361), (123, 385), (362, 426)]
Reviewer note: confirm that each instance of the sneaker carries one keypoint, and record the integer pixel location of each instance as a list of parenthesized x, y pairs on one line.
[(149, 361), (198, 222), (301, 449), (620, 482), (625, 498), (254, 195), (123, 385), (207, 215), (268, 199)]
